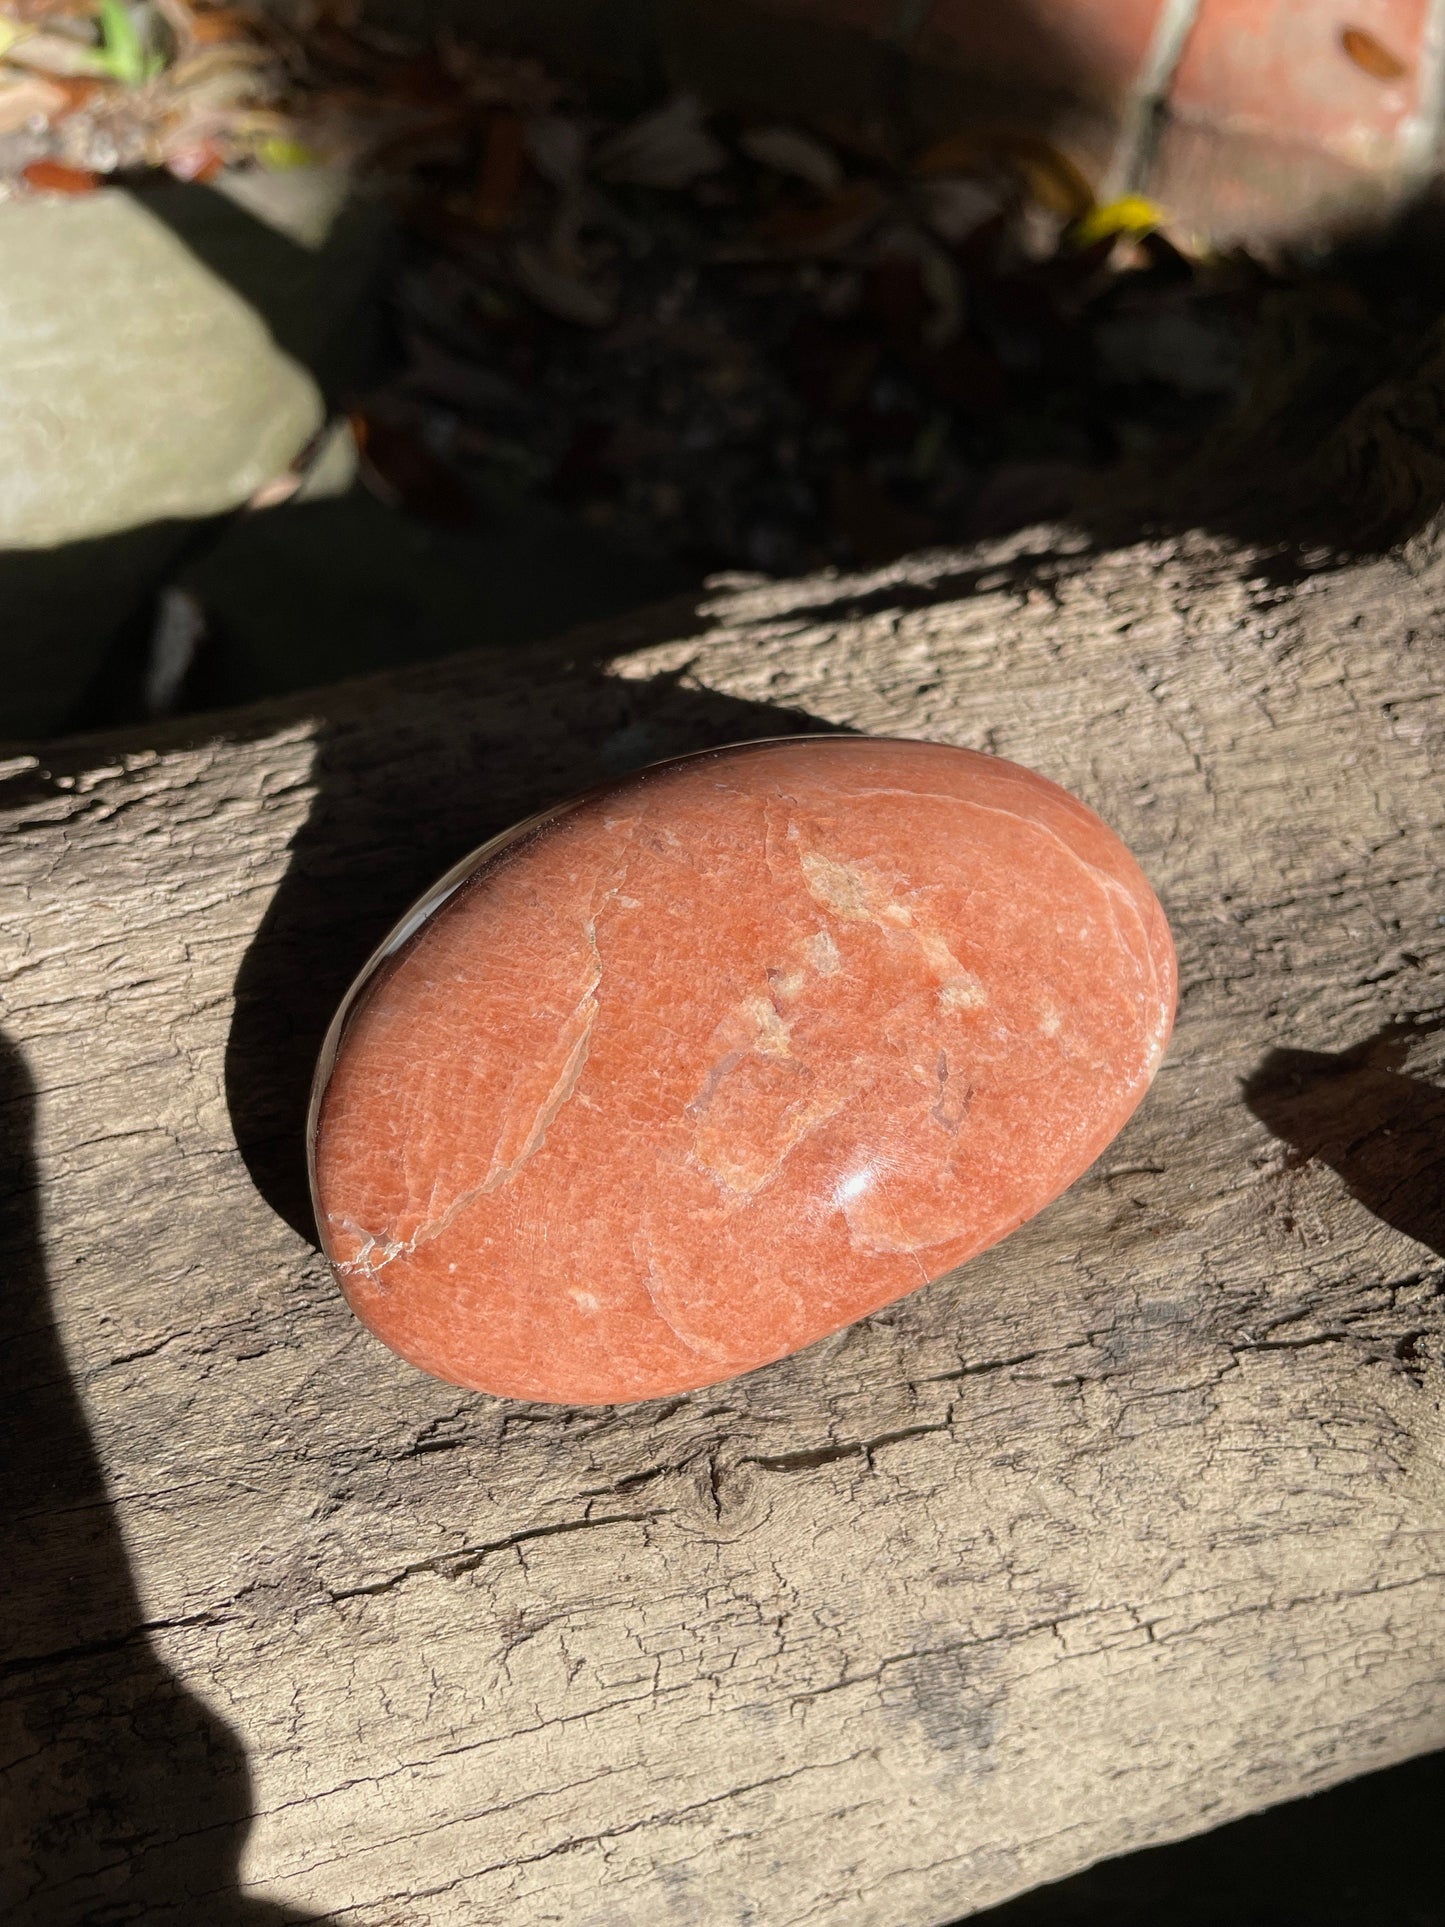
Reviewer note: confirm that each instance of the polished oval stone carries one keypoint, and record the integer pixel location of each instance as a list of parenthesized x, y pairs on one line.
[(703, 1065)]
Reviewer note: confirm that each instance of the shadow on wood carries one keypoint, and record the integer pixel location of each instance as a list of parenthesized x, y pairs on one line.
[(379, 833), (1381, 1131), (1339, 1859), (129, 1782)]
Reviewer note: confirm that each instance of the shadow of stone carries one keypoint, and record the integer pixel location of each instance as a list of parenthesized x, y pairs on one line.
[(1380, 1130), (316, 301), (122, 1796), (379, 833), (1332, 1860)]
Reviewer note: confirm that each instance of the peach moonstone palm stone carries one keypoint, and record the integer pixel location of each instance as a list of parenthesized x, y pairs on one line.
[(696, 1068)]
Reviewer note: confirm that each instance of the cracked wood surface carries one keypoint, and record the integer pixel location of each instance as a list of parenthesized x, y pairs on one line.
[(1135, 1524)]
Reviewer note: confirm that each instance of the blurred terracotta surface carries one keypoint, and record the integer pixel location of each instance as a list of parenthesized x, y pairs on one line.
[(1282, 70), (1272, 125), (719, 1059), (1093, 48)]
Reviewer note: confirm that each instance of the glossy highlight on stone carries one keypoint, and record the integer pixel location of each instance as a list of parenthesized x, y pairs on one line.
[(701, 1066)]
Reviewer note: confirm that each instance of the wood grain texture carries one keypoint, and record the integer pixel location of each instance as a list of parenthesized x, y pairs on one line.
[(1135, 1524)]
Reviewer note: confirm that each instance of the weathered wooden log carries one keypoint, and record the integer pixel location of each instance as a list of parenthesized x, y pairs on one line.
[(1135, 1524)]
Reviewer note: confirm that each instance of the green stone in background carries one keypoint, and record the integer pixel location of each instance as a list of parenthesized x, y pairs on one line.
[(162, 354), (135, 385)]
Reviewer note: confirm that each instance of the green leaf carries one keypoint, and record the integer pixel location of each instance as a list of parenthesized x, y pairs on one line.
[(122, 54)]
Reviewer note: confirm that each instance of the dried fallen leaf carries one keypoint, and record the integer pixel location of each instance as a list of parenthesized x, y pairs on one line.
[(275, 493), (669, 147), (50, 177), (955, 206), (799, 233), (1054, 182), (1371, 56), (195, 161), (329, 457), (955, 154), (180, 21), (787, 151), (559, 291), (27, 98), (54, 53), (261, 124), (557, 147), (228, 57), (1048, 175), (78, 92), (220, 25), (210, 106)]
